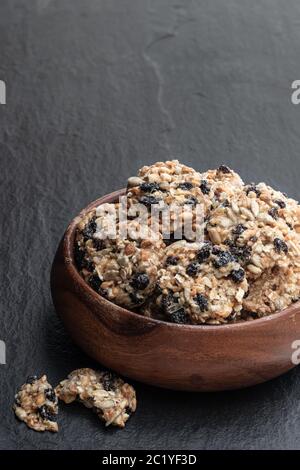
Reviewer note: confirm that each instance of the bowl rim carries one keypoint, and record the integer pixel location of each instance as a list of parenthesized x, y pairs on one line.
[(68, 258)]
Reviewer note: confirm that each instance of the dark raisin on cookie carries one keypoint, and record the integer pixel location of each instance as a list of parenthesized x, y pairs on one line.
[(204, 253), (193, 269), (242, 253), (223, 169), (280, 245), (98, 244), (191, 201), (109, 381), (201, 301), (204, 186), (179, 316), (172, 260), (94, 282), (223, 259), (46, 414), (238, 229), (31, 379), (169, 303), (280, 203), (148, 201), (273, 212), (251, 188), (51, 395), (80, 260), (149, 187), (216, 250), (89, 229), (140, 281), (186, 186), (237, 275)]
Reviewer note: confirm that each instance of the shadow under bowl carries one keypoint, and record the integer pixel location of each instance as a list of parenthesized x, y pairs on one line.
[(179, 357)]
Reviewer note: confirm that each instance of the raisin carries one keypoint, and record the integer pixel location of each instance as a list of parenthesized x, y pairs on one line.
[(223, 259), (98, 244), (128, 410), (204, 186), (169, 304), (242, 253), (80, 260), (50, 395), (94, 282), (185, 186), (172, 260), (149, 187), (204, 253), (89, 229), (216, 250), (148, 201), (223, 169), (280, 245), (237, 275), (251, 188), (140, 281), (31, 379), (46, 414), (109, 381), (280, 203), (192, 269), (179, 316), (202, 302), (238, 230), (273, 213), (79, 257), (191, 201)]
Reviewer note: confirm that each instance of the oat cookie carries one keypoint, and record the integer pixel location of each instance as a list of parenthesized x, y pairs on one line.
[(36, 404), (256, 233), (200, 283), (221, 184), (274, 290), (173, 187), (124, 270), (170, 183), (109, 396)]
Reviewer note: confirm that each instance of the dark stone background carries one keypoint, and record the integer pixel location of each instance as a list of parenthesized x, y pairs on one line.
[(95, 89)]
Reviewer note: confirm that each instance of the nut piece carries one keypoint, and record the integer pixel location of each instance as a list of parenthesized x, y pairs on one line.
[(36, 404), (109, 396)]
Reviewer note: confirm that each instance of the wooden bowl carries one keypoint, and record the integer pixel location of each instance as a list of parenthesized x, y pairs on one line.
[(181, 357)]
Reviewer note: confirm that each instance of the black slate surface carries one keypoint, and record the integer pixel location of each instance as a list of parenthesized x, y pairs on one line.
[(95, 89)]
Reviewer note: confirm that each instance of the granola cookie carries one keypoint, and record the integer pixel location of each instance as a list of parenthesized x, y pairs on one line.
[(184, 192), (200, 283), (175, 188), (36, 404), (110, 397), (274, 290), (221, 184), (123, 268), (254, 230)]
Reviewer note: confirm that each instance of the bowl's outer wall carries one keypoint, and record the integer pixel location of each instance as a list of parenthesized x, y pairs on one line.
[(204, 358)]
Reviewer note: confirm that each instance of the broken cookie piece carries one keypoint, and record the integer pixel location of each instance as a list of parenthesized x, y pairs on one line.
[(109, 396), (36, 404)]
